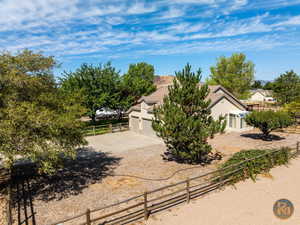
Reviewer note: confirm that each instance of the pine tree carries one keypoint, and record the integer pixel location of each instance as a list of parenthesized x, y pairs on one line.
[(184, 119)]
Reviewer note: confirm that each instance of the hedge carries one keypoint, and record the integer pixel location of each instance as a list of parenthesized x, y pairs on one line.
[(235, 169)]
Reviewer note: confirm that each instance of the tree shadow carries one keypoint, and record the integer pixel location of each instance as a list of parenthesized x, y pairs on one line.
[(89, 167), (260, 136)]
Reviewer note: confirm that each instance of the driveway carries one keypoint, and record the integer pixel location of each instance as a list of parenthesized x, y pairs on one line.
[(121, 142), (248, 204)]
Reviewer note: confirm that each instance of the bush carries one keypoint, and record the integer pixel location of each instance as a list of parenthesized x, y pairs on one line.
[(267, 121), (263, 161)]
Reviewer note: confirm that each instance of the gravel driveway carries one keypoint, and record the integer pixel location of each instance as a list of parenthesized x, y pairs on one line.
[(97, 178), (121, 141)]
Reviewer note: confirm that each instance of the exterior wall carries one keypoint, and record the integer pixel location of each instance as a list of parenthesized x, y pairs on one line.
[(147, 128), (143, 119), (257, 97), (224, 108)]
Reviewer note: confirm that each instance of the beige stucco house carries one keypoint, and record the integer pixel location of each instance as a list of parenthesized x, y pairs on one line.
[(260, 95), (223, 103)]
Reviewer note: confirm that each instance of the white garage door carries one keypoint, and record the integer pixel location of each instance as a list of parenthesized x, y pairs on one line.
[(147, 128), (134, 124)]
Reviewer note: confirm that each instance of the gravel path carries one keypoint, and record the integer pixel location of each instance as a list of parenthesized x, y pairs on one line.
[(87, 182)]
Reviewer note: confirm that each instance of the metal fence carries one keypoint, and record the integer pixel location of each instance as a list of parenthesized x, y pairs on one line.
[(145, 204)]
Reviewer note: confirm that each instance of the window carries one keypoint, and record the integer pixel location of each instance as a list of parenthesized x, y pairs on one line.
[(232, 120), (243, 123)]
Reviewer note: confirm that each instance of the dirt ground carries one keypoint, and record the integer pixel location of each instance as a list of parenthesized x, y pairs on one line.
[(102, 175), (247, 203), (2, 209)]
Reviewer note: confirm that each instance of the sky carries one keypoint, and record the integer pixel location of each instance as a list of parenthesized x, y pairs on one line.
[(165, 33)]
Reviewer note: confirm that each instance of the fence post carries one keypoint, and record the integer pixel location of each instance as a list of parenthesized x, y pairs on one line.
[(146, 212), (94, 131), (188, 196), (110, 128), (8, 206), (88, 217)]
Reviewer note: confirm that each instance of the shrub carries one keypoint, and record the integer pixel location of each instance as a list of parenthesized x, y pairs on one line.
[(293, 108), (267, 121), (263, 161)]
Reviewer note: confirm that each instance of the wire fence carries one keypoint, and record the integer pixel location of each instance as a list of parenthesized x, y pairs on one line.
[(150, 202)]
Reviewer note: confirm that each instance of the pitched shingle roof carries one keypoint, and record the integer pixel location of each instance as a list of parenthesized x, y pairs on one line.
[(217, 92)]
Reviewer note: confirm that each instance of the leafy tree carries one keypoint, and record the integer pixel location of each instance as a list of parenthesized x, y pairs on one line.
[(269, 86), (37, 121), (234, 73), (268, 121), (138, 81), (293, 108), (257, 85), (99, 86), (184, 119), (287, 87)]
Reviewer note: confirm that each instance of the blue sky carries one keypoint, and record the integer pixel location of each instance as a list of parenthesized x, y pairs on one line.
[(165, 33)]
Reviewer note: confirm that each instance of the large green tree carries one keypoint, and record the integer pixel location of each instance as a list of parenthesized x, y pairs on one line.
[(287, 87), (138, 81), (234, 73), (184, 119), (37, 121), (99, 86)]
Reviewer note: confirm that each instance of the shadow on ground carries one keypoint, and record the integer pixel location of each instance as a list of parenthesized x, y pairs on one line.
[(260, 136), (89, 167)]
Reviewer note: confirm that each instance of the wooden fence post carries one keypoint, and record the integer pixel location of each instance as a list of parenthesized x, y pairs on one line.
[(94, 131), (8, 206), (88, 217), (188, 196), (146, 212), (110, 128)]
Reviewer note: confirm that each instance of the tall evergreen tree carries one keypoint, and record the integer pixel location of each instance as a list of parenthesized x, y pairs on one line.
[(184, 119)]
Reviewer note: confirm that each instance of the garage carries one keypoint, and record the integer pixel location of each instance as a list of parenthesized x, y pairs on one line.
[(147, 128), (134, 123)]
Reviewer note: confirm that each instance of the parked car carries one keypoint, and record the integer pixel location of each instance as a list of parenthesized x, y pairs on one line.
[(104, 112)]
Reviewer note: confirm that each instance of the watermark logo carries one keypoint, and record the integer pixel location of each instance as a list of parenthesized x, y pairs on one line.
[(283, 209)]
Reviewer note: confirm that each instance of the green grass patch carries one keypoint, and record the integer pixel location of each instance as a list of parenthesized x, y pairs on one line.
[(106, 121)]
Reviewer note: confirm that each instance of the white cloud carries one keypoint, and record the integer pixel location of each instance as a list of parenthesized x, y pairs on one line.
[(172, 12), (201, 2), (182, 28), (140, 8), (234, 28), (231, 45), (295, 20)]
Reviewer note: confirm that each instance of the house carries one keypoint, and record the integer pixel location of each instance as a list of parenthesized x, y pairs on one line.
[(260, 95), (223, 103)]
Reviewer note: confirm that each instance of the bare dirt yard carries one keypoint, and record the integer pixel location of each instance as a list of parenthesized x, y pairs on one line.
[(247, 203), (102, 173)]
